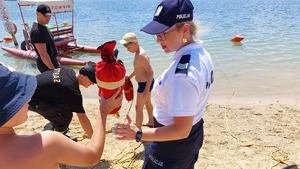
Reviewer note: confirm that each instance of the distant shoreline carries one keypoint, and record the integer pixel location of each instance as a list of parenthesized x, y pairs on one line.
[(292, 98), (284, 99)]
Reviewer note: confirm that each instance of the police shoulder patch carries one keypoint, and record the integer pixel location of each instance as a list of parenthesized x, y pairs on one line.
[(183, 65)]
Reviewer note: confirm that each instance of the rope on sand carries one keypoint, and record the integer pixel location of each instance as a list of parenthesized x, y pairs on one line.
[(129, 160), (277, 155), (280, 157), (133, 157), (122, 160)]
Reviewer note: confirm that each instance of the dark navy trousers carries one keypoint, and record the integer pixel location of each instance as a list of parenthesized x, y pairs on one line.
[(178, 154)]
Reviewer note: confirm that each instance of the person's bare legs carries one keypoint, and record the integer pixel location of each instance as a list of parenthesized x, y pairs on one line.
[(149, 108), (140, 102)]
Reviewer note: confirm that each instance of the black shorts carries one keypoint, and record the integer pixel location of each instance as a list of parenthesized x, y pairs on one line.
[(178, 154), (57, 112), (142, 85)]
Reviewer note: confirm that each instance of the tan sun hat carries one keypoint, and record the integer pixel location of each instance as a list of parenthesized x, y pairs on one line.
[(128, 37)]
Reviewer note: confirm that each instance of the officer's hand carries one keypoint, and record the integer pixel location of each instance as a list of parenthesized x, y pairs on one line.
[(125, 131)]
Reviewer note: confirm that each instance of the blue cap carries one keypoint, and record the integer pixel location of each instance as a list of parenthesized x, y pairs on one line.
[(90, 72), (16, 89), (169, 12)]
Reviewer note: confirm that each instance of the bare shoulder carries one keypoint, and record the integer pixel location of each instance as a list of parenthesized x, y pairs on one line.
[(42, 140), (53, 139), (142, 52), (28, 149), (142, 56)]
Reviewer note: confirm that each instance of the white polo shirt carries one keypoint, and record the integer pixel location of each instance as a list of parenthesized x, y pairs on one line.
[(186, 92)]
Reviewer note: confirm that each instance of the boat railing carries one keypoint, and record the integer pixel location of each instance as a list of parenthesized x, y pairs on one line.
[(62, 37)]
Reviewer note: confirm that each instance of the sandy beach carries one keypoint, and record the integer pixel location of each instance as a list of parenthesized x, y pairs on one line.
[(257, 128), (239, 134)]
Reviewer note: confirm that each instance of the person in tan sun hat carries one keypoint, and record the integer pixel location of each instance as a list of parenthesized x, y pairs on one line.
[(128, 38), (143, 75)]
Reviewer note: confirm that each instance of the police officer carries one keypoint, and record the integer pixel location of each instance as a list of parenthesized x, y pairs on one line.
[(181, 93)]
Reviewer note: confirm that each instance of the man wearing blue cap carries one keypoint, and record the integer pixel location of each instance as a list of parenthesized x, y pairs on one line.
[(46, 149), (42, 40), (58, 95), (181, 93)]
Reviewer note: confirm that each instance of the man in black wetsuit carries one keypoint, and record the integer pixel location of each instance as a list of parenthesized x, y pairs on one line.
[(42, 40), (58, 95)]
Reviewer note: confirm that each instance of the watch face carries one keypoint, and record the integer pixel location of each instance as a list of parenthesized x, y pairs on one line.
[(138, 136)]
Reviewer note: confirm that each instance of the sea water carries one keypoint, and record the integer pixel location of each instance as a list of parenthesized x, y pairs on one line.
[(265, 65)]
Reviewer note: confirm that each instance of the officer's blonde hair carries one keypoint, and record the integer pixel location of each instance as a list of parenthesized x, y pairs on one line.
[(193, 27)]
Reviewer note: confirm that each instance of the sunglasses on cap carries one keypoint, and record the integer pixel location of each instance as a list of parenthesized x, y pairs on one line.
[(127, 44)]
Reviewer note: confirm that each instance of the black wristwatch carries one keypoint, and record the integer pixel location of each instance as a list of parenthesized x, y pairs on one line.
[(138, 135)]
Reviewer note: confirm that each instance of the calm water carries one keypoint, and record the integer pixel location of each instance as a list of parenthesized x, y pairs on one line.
[(265, 65)]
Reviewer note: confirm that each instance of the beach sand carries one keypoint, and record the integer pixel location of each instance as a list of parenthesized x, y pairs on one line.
[(247, 135)]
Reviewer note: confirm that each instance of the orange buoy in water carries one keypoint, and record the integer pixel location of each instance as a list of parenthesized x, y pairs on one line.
[(237, 38), (7, 38)]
